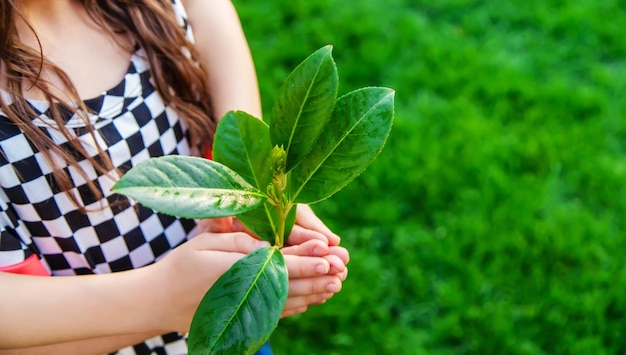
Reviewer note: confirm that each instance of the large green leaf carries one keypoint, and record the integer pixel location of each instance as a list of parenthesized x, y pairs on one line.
[(353, 137), (303, 105), (189, 187), (239, 313), (242, 142)]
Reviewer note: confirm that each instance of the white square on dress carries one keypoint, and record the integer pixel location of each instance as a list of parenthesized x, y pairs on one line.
[(37, 190), (142, 256), (16, 148), (114, 249)]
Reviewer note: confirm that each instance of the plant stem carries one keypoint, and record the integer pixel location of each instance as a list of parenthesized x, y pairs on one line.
[(276, 191), (282, 210)]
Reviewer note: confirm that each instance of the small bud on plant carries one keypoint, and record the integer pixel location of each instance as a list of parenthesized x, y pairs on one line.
[(279, 160)]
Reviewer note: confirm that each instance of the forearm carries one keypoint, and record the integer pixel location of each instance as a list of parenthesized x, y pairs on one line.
[(96, 346), (49, 310)]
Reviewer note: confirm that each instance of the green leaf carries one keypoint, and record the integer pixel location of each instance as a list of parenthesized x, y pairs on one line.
[(188, 187), (303, 105), (242, 142), (263, 221), (290, 221), (354, 136), (239, 313)]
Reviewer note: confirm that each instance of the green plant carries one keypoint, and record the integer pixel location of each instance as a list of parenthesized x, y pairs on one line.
[(313, 146)]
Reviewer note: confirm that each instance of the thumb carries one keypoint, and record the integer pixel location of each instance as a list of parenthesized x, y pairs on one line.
[(229, 242)]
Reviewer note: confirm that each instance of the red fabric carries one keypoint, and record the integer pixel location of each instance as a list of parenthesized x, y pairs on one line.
[(30, 266), (208, 153)]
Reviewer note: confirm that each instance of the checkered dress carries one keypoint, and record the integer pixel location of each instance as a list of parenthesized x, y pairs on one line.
[(132, 124)]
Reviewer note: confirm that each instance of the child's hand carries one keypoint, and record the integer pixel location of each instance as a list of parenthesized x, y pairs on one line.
[(309, 227), (307, 289), (183, 277), (310, 237)]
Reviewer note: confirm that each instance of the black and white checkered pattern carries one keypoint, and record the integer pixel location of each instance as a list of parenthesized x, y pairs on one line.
[(132, 124)]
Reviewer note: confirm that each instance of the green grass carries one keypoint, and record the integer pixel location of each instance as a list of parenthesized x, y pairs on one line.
[(494, 220)]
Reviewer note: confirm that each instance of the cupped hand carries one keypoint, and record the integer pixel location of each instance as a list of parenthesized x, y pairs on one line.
[(308, 288), (187, 273), (308, 228), (309, 237)]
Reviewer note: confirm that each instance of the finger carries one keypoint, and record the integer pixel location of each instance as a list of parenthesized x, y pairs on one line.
[(336, 264), (341, 252), (300, 234), (229, 242), (309, 220), (306, 301), (306, 266), (293, 312), (343, 275), (314, 285), (309, 248)]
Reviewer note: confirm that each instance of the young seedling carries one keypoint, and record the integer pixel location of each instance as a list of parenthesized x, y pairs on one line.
[(313, 145)]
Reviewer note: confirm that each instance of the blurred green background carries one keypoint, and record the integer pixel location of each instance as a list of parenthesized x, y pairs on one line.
[(493, 221)]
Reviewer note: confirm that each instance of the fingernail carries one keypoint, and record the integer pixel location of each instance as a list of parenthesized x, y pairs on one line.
[(261, 244), (322, 268), (327, 295), (332, 287)]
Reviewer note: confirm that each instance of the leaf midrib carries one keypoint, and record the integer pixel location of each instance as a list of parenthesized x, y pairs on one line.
[(257, 276), (306, 98), (336, 145), (185, 189)]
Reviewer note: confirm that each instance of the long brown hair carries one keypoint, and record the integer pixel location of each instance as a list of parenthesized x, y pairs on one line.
[(173, 62)]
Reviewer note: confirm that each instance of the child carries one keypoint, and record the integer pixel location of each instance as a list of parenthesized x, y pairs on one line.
[(89, 89)]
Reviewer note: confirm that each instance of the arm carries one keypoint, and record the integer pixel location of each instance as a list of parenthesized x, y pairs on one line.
[(95, 346), (79, 311), (225, 54), (72, 308), (83, 311)]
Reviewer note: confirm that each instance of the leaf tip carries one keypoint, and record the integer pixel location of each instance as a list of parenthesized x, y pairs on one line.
[(390, 93), (116, 186), (326, 50)]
